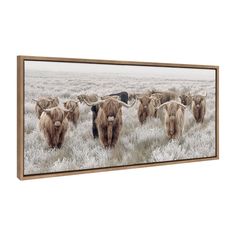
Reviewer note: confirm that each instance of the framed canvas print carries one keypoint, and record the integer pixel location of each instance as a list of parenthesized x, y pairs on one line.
[(79, 115)]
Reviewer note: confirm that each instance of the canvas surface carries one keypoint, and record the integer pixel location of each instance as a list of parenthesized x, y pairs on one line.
[(137, 143)]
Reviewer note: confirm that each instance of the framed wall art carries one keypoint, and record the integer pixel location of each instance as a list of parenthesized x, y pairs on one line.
[(80, 115)]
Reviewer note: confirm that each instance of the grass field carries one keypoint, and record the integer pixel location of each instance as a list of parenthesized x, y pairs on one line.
[(137, 144)]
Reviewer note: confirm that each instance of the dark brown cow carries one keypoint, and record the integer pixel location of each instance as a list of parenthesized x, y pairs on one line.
[(186, 99), (199, 107)]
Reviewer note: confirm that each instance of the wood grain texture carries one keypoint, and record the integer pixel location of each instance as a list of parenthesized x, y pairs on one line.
[(20, 113), (20, 117)]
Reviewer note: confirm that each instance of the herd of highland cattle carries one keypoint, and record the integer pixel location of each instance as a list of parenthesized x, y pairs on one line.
[(107, 113)]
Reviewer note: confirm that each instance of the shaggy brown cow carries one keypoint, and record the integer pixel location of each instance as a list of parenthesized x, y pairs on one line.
[(186, 99), (44, 103), (88, 98), (53, 124), (73, 116), (146, 108), (199, 107), (109, 120), (174, 118)]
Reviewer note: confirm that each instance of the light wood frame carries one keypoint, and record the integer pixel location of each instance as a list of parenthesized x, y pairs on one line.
[(20, 113)]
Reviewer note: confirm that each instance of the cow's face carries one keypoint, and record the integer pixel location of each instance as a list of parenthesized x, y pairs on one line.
[(57, 116), (156, 101), (197, 100), (70, 105), (111, 108), (145, 101), (171, 109), (184, 99), (132, 96), (53, 102), (81, 98)]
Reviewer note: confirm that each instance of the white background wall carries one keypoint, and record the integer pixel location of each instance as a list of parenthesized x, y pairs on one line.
[(186, 199)]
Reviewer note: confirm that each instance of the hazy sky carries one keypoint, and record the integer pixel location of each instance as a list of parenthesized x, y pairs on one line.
[(164, 72)]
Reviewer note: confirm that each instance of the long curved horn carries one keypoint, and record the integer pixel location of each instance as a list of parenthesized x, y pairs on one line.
[(115, 97), (181, 105), (48, 109), (64, 109), (94, 103), (166, 103), (68, 110), (126, 105)]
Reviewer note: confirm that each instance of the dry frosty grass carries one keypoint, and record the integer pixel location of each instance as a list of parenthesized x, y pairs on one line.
[(137, 144)]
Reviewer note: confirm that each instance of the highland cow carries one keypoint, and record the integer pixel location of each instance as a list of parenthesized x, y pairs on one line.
[(109, 120), (146, 108), (73, 116), (122, 96), (186, 99), (173, 118), (199, 107), (53, 124), (44, 103)]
